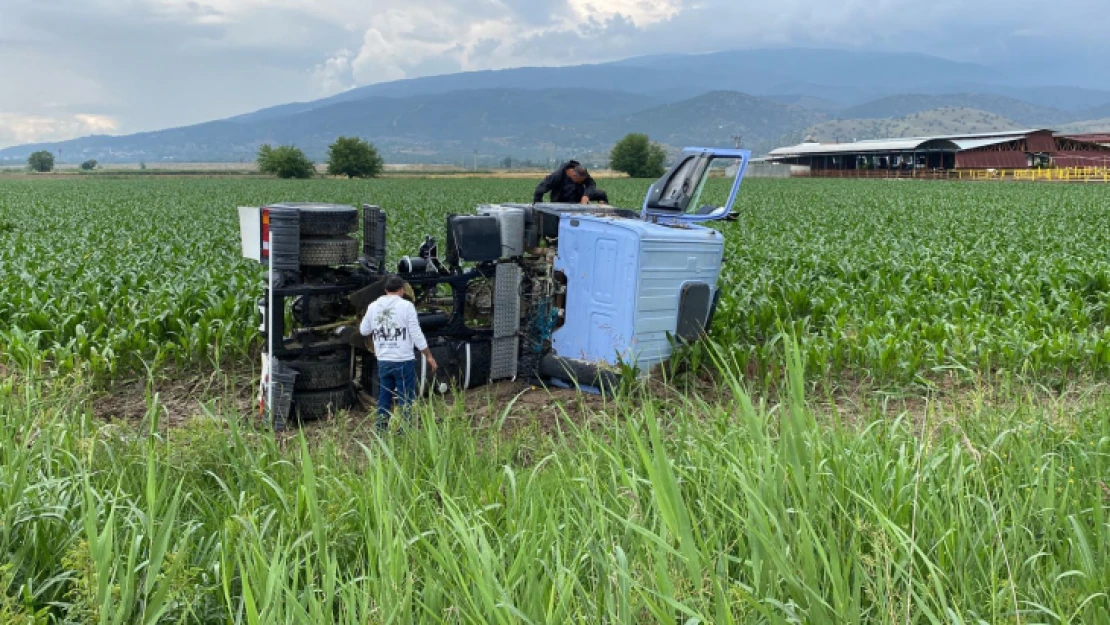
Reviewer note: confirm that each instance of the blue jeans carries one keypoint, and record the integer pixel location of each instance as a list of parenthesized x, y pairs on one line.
[(397, 382)]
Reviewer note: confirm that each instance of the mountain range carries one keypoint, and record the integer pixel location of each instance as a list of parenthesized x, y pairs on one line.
[(767, 97)]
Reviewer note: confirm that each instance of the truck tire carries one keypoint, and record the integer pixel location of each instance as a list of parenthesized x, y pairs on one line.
[(313, 405), (328, 220), (325, 252), (328, 370), (319, 219)]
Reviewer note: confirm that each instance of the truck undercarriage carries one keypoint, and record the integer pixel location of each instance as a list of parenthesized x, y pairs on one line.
[(545, 292)]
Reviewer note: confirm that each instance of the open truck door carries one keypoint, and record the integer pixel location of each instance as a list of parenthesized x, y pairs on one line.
[(677, 196)]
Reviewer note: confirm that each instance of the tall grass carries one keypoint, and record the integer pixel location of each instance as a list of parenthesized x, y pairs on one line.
[(657, 511)]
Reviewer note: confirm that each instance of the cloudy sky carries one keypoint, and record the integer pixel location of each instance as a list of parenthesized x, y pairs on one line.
[(74, 67)]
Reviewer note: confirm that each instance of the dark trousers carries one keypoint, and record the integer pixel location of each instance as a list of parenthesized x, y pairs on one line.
[(397, 382)]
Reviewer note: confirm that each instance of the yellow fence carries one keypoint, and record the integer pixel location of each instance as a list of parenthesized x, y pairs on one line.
[(1062, 174)]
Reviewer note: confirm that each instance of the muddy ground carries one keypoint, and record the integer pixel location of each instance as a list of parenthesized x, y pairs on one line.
[(507, 406), (510, 407)]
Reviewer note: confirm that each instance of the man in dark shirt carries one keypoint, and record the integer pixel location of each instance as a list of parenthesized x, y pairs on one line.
[(571, 183)]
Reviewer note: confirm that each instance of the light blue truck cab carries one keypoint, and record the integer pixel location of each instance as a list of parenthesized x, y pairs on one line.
[(635, 284)]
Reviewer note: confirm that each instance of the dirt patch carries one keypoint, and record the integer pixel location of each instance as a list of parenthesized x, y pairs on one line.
[(177, 395), (513, 405), (498, 412), (509, 408), (182, 395), (502, 408)]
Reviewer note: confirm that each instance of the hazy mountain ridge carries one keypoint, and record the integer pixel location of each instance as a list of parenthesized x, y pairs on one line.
[(1029, 115), (758, 72), (1101, 126), (1098, 112), (926, 123), (549, 113), (496, 123)]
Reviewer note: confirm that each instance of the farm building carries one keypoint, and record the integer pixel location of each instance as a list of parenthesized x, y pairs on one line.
[(1019, 149), (1102, 138)]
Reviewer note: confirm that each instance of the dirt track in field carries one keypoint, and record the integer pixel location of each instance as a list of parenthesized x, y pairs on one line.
[(507, 406)]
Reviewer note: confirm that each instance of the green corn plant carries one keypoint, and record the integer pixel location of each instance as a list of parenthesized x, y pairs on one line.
[(746, 504)]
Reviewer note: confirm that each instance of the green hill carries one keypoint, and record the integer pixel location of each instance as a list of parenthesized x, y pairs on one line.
[(1097, 112), (1092, 126), (713, 118), (524, 124), (544, 113), (941, 121), (1024, 113)]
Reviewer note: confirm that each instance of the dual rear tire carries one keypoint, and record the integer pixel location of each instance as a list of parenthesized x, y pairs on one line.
[(328, 251), (324, 384), (325, 230), (316, 405)]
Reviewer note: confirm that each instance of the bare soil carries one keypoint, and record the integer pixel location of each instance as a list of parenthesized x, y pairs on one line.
[(181, 396), (508, 407), (178, 395)]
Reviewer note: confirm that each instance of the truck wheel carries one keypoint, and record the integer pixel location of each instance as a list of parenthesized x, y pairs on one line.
[(325, 252), (328, 220), (324, 371), (312, 405), (319, 219)]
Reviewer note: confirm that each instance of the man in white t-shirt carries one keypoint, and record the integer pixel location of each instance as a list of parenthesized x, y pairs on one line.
[(393, 325)]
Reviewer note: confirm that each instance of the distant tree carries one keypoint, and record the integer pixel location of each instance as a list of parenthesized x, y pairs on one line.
[(284, 161), (507, 162), (142, 164), (89, 165), (264, 154), (638, 157), (41, 161), (354, 158)]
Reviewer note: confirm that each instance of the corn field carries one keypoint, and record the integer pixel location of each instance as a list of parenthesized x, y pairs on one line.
[(733, 507), (893, 280)]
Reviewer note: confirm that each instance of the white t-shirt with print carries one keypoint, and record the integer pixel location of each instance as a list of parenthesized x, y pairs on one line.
[(391, 321)]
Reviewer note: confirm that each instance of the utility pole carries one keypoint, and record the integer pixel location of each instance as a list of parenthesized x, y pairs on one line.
[(737, 138), (475, 160)]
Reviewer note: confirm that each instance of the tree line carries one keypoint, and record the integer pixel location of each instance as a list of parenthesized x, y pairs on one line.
[(42, 161), (635, 155), (348, 156), (353, 157)]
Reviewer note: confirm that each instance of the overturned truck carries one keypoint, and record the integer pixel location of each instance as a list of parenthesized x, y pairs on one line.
[(555, 293)]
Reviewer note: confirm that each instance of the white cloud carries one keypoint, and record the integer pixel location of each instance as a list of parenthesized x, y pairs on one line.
[(401, 38), (157, 63), (16, 128), (333, 75), (639, 12), (397, 40), (97, 124)]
